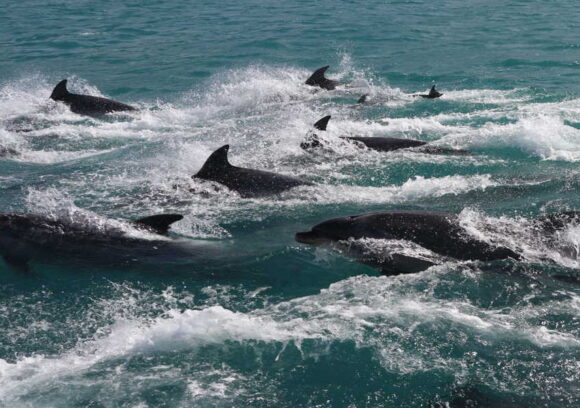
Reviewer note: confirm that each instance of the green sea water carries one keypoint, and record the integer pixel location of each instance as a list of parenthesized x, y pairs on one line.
[(251, 318)]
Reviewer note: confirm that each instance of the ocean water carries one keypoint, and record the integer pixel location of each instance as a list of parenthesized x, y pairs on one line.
[(251, 318)]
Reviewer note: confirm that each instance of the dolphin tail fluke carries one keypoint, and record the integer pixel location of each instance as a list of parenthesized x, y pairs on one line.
[(159, 223), (434, 93), (317, 78), (322, 123), (363, 99), (59, 91)]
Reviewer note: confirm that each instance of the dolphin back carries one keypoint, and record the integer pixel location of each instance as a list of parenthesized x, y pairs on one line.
[(87, 104)]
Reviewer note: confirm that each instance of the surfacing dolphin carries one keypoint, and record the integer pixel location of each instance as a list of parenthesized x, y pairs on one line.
[(247, 182), (439, 232), (363, 99), (8, 152), (433, 93), (318, 79), (87, 104), (381, 144), (26, 236)]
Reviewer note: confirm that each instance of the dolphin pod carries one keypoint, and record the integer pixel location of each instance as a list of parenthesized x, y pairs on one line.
[(381, 144), (247, 182), (87, 104), (438, 232)]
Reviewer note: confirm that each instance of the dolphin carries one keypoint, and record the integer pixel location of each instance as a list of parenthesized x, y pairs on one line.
[(87, 104), (247, 182), (483, 397), (438, 232), (433, 93), (25, 236), (318, 79), (8, 152), (363, 99), (381, 144)]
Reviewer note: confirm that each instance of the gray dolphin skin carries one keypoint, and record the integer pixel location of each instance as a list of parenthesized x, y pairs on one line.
[(381, 144), (247, 182), (8, 152), (87, 104), (433, 94), (318, 79), (363, 99), (438, 232), (25, 236)]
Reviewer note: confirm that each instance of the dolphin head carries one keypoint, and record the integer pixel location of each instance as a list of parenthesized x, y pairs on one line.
[(336, 229)]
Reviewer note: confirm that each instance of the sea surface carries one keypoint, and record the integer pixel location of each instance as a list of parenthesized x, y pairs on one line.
[(251, 318)]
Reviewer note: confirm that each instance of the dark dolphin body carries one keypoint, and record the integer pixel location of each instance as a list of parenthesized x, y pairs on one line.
[(433, 93), (27, 236), (483, 397), (8, 152), (87, 104), (247, 182), (318, 79), (363, 99), (438, 232), (381, 144)]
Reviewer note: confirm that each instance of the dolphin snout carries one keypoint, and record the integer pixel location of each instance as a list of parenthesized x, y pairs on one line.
[(310, 237)]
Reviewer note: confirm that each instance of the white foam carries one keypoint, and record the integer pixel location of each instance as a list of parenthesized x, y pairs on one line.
[(546, 137)]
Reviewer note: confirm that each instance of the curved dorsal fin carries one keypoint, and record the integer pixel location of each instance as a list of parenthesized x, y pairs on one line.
[(362, 99), (322, 123), (159, 223), (318, 76), (59, 91), (216, 162), (433, 91)]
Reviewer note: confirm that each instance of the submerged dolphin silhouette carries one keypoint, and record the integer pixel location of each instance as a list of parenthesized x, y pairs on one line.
[(382, 144), (87, 104), (23, 236), (318, 79), (247, 182)]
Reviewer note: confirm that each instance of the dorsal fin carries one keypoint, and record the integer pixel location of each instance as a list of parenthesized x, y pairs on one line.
[(159, 223), (433, 92), (215, 163), (322, 123), (317, 77), (363, 99), (59, 91)]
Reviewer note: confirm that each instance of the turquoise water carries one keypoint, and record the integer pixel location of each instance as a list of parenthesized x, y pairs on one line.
[(252, 318)]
